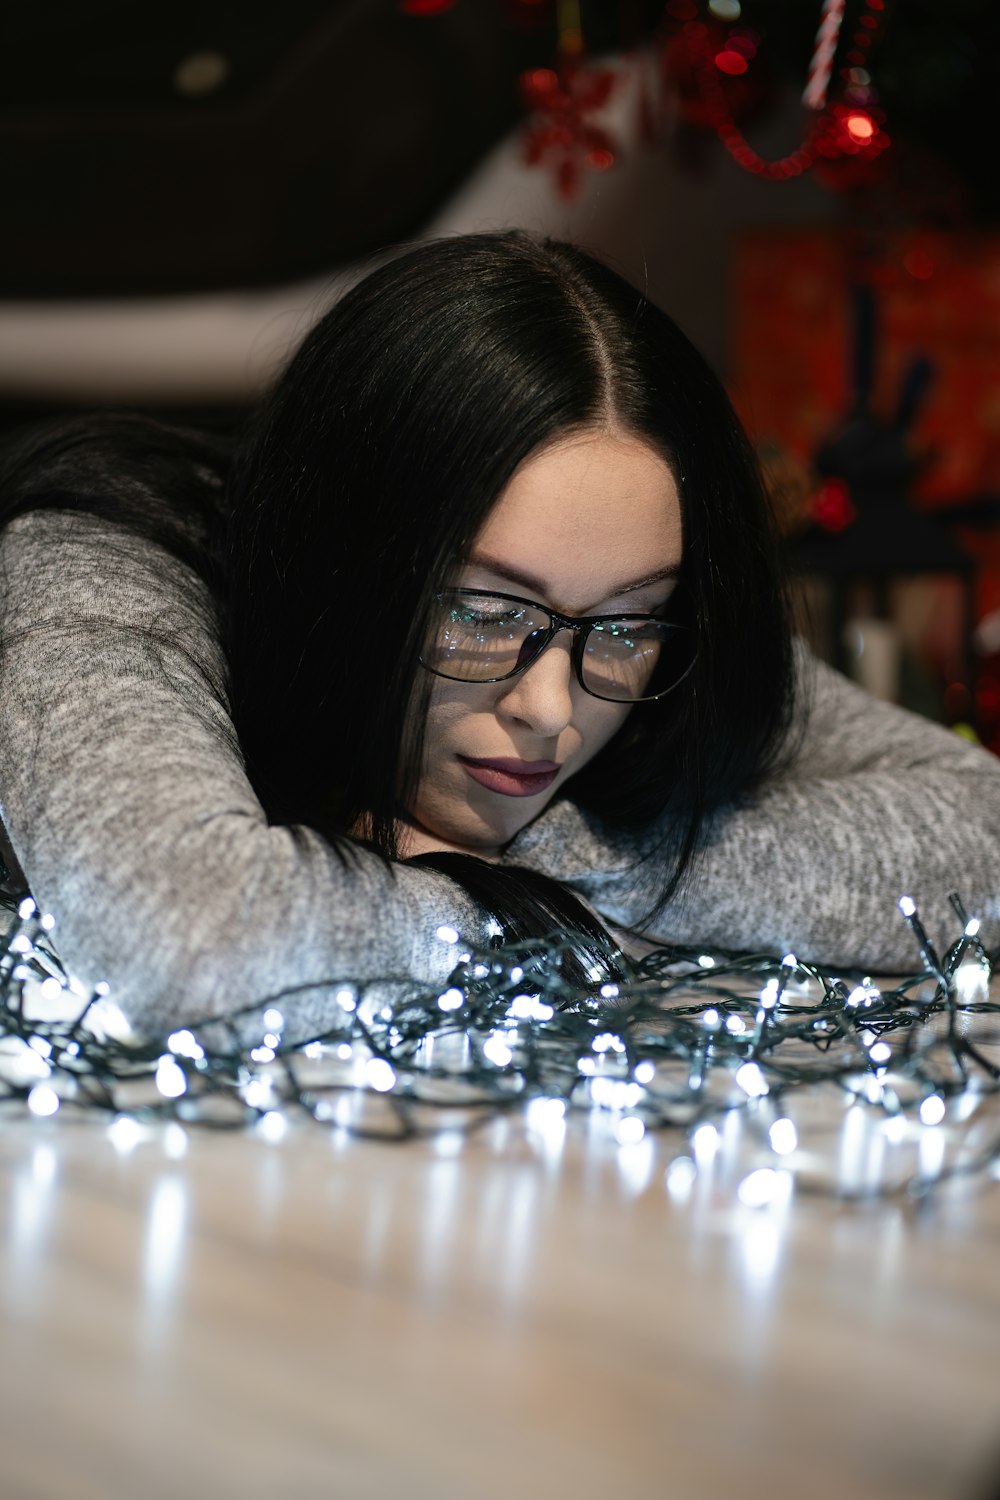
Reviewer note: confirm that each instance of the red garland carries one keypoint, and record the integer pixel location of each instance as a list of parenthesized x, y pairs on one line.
[(851, 131)]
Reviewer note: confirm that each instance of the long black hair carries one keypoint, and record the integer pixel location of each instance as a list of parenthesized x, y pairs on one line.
[(373, 467), (365, 477)]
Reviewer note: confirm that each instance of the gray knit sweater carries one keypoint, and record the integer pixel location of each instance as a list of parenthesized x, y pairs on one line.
[(126, 803)]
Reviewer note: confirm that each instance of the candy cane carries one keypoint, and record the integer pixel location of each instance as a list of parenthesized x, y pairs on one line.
[(823, 53)]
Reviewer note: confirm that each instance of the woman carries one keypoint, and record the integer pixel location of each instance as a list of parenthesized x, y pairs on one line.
[(501, 622)]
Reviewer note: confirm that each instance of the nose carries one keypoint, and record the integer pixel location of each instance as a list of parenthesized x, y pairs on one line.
[(541, 697)]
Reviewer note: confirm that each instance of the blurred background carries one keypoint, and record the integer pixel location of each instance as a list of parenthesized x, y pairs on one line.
[(807, 186)]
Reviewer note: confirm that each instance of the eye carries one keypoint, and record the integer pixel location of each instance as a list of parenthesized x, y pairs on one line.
[(486, 614)]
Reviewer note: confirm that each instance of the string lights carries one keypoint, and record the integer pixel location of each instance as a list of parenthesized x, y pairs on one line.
[(683, 1041)]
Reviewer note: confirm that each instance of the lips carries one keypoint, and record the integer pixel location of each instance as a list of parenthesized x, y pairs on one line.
[(512, 777)]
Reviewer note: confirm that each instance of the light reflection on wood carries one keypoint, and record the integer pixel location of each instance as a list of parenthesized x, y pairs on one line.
[(530, 1310)]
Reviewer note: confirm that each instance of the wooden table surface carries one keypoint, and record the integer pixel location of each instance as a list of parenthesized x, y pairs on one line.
[(532, 1310)]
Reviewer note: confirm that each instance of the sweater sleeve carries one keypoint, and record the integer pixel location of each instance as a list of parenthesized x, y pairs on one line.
[(874, 803), (127, 806)]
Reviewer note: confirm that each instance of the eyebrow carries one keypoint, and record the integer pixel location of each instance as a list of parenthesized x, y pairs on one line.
[(531, 581)]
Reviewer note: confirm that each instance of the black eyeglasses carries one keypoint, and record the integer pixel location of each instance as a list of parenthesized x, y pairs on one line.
[(480, 636)]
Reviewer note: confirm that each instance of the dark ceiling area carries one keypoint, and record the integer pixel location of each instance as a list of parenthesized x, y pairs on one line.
[(196, 145), (192, 146)]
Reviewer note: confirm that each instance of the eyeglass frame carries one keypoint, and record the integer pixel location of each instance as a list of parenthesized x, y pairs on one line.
[(581, 627)]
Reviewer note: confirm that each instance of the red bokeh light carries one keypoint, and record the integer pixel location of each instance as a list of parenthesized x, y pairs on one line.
[(988, 697), (919, 264), (860, 127), (730, 62), (743, 43), (832, 506), (540, 81)]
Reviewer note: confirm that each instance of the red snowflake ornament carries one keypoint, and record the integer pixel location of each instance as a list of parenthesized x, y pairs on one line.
[(562, 132)]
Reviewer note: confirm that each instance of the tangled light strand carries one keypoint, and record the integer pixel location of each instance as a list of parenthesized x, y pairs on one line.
[(685, 1038)]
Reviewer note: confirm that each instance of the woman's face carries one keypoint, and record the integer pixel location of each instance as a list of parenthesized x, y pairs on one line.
[(589, 525)]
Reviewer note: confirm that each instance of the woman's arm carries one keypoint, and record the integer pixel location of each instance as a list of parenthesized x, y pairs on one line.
[(874, 804), (127, 806)]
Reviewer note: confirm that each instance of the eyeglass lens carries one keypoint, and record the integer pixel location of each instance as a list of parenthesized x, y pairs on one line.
[(480, 639)]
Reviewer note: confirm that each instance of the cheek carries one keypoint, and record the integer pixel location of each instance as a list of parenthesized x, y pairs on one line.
[(455, 712), (449, 705), (599, 724)]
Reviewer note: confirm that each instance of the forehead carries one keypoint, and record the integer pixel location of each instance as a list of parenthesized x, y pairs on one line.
[(585, 516)]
